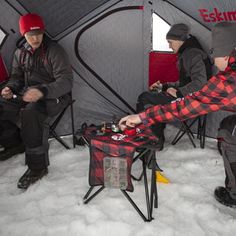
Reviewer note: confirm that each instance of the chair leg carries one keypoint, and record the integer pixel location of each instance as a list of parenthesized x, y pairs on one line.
[(190, 135), (59, 139), (202, 130), (185, 129), (72, 122), (177, 136)]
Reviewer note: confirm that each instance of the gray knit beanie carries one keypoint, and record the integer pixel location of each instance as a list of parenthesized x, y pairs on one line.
[(178, 32), (223, 39)]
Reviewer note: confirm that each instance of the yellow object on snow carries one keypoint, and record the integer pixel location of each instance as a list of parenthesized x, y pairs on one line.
[(160, 178)]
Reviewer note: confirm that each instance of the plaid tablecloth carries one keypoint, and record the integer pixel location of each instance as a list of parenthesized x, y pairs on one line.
[(105, 146)]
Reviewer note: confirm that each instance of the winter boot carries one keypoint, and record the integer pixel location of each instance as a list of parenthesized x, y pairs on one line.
[(222, 195), (30, 177), (8, 152)]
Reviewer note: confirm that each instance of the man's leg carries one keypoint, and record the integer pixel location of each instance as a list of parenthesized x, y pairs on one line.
[(227, 195), (35, 120), (148, 99), (9, 134), (35, 137), (10, 138)]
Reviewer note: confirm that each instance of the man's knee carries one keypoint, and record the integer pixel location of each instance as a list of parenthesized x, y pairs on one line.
[(143, 96), (28, 114), (32, 111)]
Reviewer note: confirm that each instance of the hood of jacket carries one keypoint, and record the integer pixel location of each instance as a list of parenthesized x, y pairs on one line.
[(191, 42)]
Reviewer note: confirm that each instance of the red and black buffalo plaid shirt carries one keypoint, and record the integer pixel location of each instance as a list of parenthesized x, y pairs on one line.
[(218, 94)]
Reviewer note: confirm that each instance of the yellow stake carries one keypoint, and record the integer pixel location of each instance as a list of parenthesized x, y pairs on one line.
[(160, 178)]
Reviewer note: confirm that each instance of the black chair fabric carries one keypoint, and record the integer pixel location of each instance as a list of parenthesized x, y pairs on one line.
[(53, 125)]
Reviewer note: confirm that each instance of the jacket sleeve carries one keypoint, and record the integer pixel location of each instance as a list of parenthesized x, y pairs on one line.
[(170, 85), (212, 97), (196, 69), (61, 72), (16, 80)]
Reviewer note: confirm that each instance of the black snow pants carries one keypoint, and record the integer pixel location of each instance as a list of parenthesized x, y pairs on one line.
[(227, 139), (28, 122), (152, 98)]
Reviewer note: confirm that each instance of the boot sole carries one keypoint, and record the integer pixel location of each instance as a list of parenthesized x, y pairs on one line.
[(224, 203)]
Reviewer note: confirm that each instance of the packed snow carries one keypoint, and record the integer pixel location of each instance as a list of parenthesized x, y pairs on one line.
[(54, 205)]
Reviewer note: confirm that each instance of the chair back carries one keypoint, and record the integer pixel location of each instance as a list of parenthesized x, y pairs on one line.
[(3, 70)]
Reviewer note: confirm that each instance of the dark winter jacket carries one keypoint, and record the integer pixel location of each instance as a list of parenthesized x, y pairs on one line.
[(194, 66), (47, 68), (218, 94)]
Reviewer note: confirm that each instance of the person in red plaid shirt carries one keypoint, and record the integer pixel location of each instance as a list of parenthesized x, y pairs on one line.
[(218, 94)]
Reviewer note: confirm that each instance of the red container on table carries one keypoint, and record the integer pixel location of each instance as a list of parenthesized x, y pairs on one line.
[(130, 131)]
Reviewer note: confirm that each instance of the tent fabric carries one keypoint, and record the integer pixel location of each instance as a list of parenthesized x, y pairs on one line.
[(207, 13), (60, 13), (114, 56), (117, 47)]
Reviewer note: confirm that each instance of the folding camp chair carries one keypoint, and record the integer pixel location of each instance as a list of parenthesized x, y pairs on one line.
[(186, 129), (54, 124)]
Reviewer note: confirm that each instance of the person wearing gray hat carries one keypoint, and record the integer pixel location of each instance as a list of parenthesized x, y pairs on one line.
[(223, 48), (194, 68), (218, 94)]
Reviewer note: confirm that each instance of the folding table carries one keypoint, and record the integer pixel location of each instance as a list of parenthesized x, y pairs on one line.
[(103, 146)]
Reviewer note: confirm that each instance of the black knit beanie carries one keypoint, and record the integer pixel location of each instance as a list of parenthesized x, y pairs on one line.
[(178, 32)]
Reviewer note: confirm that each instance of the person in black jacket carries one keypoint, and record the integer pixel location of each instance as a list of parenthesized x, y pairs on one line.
[(38, 89), (194, 69)]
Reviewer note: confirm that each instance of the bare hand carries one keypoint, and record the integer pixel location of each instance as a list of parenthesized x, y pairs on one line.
[(129, 121), (7, 93), (156, 86), (32, 95), (172, 92)]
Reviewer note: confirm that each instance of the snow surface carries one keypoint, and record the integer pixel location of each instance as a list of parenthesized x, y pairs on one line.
[(54, 205)]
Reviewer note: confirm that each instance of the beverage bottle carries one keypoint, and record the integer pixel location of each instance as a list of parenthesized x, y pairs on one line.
[(114, 125)]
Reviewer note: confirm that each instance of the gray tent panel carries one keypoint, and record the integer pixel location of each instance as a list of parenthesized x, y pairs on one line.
[(61, 14), (207, 12), (113, 47)]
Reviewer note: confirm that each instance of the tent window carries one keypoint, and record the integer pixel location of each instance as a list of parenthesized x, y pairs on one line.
[(3, 36), (159, 31)]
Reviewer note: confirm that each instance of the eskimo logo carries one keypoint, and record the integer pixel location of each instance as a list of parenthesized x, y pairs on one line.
[(34, 28), (217, 16)]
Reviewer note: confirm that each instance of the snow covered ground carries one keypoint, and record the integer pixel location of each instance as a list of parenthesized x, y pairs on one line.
[(54, 205)]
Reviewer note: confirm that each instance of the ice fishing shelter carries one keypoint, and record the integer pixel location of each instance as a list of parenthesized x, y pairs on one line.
[(109, 42)]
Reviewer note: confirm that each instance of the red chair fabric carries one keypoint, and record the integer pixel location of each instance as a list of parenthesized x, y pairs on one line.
[(163, 67), (3, 70)]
